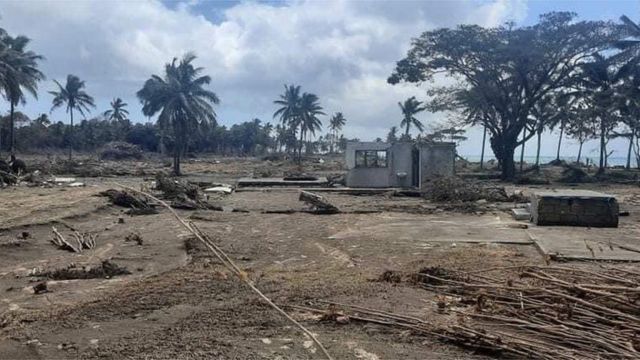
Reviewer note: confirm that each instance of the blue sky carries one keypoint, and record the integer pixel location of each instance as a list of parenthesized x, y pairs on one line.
[(341, 50)]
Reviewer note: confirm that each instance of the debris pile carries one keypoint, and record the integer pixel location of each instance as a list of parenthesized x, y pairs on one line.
[(545, 312), (455, 189), (574, 174), (183, 195), (105, 270), (119, 150), (549, 312), (138, 204)]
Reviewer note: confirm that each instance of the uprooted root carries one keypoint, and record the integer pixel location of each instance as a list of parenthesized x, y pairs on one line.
[(104, 270), (76, 243)]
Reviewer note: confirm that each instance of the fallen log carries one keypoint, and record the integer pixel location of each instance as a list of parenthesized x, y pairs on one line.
[(319, 204)]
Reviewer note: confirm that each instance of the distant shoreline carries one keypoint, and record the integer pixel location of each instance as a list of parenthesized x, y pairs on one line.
[(613, 161)]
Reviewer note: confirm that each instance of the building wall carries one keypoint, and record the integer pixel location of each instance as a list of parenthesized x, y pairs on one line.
[(367, 177), (437, 159), (402, 163)]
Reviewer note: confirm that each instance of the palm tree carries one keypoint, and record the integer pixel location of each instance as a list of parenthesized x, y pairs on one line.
[(20, 74), (181, 100), (336, 123), (410, 108), (117, 111), (75, 98), (599, 82), (299, 113), (309, 122), (290, 105), (265, 136), (289, 111), (392, 135)]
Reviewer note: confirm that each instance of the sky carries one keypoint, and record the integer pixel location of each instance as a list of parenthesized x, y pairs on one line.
[(343, 51)]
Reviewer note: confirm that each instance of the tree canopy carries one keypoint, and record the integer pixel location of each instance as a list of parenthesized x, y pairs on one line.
[(180, 100), (502, 73)]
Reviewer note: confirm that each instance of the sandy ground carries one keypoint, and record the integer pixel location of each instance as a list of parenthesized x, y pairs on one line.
[(180, 303)]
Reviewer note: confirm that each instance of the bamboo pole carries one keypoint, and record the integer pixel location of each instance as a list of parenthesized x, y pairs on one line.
[(227, 262)]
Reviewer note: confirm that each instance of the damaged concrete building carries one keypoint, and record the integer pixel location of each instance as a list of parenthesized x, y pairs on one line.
[(401, 164)]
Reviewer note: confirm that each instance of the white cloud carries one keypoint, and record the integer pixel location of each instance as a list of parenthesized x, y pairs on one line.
[(341, 50)]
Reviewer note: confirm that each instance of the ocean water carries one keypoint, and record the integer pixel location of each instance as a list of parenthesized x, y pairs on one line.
[(613, 161)]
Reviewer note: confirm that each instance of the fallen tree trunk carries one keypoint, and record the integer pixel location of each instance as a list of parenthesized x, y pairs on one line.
[(319, 204)]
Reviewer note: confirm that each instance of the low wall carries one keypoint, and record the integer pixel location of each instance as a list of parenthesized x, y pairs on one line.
[(574, 208)]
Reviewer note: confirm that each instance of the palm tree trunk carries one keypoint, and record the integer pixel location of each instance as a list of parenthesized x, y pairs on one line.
[(300, 146), (484, 138), (177, 152), (538, 150), (602, 148), (629, 152), (560, 140), (406, 133), (524, 136), (12, 137), (71, 135), (580, 151)]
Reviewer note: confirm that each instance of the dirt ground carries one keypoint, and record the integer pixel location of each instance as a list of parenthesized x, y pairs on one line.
[(178, 302)]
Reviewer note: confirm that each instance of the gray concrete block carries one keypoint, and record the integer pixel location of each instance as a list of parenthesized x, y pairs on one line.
[(520, 214), (574, 208)]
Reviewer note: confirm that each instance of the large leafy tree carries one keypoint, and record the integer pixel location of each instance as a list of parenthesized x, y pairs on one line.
[(74, 98), (510, 69), (336, 123), (180, 99), (19, 74), (410, 108)]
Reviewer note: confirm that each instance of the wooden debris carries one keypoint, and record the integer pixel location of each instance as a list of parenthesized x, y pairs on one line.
[(139, 204), (183, 195), (40, 288), (105, 270), (545, 312), (134, 237), (80, 241), (319, 204), (231, 265)]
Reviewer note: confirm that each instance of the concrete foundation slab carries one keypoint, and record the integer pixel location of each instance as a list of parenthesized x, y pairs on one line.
[(574, 208), (243, 182), (520, 214), (575, 243), (439, 229)]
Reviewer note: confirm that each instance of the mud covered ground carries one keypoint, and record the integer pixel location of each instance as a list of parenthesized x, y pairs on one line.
[(178, 302)]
